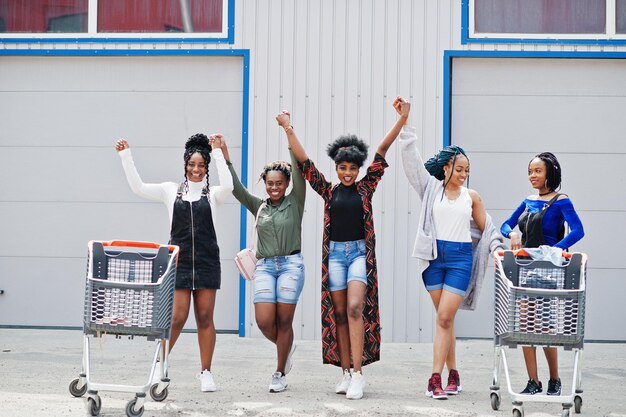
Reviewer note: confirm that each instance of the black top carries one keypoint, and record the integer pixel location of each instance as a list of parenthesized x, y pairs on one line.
[(346, 214)]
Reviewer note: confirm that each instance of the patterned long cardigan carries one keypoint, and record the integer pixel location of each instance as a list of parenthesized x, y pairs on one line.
[(371, 316)]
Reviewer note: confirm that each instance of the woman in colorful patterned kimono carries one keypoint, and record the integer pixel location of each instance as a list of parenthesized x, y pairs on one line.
[(350, 315)]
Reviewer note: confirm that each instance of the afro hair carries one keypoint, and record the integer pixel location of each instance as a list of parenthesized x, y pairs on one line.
[(348, 148)]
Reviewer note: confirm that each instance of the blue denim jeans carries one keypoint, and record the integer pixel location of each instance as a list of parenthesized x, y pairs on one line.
[(279, 279), (346, 262)]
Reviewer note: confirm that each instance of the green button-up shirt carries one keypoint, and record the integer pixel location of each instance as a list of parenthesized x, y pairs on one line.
[(279, 228)]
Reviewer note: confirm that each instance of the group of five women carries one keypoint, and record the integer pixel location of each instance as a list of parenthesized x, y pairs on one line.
[(454, 239)]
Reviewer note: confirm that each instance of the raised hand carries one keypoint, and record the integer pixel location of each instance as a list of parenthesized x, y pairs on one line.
[(216, 140), (284, 119), (121, 144), (402, 107)]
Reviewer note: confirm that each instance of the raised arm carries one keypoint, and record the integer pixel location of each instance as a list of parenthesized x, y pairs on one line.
[(249, 200), (154, 192), (402, 108), (284, 121), (412, 161), (220, 154)]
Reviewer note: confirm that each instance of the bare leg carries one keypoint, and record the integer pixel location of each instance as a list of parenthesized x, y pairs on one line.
[(448, 305), (340, 305), (182, 301), (552, 356), (530, 357), (284, 334), (356, 301), (204, 305)]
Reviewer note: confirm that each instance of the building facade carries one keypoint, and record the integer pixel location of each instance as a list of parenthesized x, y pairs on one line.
[(502, 83)]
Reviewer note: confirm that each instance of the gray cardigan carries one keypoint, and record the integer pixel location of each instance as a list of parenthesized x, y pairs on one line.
[(425, 248)]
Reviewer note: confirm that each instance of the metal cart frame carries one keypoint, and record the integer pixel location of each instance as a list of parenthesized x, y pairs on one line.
[(129, 291), (538, 303)]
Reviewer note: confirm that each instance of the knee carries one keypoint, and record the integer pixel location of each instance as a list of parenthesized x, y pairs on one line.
[(284, 324), (204, 320), (445, 321), (178, 321), (341, 317), (265, 325), (355, 309)]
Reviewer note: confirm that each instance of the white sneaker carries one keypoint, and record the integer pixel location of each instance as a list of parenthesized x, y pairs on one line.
[(279, 382), (357, 385), (206, 381), (342, 386), (289, 363)]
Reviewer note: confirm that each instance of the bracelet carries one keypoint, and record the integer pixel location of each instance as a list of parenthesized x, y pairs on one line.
[(288, 127)]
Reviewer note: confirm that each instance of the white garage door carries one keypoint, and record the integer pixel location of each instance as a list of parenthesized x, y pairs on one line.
[(62, 182), (504, 111)]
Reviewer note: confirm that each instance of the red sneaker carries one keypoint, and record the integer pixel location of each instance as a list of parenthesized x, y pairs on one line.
[(434, 388), (454, 383)]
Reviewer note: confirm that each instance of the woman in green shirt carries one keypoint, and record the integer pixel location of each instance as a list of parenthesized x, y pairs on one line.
[(279, 274)]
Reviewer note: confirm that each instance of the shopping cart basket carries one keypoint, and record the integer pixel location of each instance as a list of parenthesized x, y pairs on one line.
[(129, 291), (538, 303)]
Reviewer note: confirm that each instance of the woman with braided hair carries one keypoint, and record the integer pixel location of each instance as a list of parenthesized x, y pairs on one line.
[(541, 218), (191, 202), (454, 239), (350, 314), (279, 274)]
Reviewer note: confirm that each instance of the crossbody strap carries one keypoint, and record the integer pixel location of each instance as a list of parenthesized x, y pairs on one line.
[(256, 220)]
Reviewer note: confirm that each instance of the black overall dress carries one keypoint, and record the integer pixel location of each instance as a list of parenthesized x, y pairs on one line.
[(193, 231), (531, 226)]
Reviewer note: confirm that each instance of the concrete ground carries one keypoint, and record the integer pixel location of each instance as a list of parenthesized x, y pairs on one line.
[(37, 365)]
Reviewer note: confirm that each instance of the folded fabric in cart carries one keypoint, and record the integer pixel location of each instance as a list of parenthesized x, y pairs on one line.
[(536, 279), (546, 253)]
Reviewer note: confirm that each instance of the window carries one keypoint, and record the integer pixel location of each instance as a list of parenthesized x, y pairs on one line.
[(115, 20), (595, 21)]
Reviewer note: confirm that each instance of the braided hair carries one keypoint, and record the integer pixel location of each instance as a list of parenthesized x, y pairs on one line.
[(198, 143), (348, 148), (280, 166), (435, 165), (553, 170)]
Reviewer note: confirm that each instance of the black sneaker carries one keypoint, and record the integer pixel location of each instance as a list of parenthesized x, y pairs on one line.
[(554, 387), (533, 388)]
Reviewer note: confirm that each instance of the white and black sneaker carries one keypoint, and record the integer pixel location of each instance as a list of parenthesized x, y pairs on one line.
[(344, 384), (279, 382)]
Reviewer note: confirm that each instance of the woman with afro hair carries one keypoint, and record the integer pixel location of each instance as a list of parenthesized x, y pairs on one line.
[(350, 315), (279, 274), (455, 237), (191, 202)]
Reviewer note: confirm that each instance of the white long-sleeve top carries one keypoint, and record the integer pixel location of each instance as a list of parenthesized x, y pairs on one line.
[(165, 192)]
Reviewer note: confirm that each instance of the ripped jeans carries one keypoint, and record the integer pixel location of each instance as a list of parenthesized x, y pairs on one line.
[(279, 279)]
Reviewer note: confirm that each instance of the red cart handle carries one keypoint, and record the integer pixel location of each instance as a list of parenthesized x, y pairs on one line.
[(522, 252), (136, 244)]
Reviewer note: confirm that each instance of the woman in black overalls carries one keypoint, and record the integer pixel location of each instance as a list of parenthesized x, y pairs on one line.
[(191, 209), (541, 218)]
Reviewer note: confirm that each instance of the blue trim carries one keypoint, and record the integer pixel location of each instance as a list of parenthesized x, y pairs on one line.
[(466, 39), (230, 37), (244, 181), (244, 53), (447, 72)]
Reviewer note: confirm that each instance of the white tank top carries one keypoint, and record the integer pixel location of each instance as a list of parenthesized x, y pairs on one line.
[(452, 217)]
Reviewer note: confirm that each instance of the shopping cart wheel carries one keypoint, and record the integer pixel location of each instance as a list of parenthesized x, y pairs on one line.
[(93, 405), (578, 403), (155, 396), (74, 390), (565, 412), (130, 409), (495, 401), (518, 412)]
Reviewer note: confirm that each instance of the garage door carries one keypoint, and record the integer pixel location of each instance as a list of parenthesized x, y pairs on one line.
[(504, 111), (63, 184)]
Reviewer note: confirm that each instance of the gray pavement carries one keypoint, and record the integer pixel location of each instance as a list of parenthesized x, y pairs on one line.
[(37, 365)]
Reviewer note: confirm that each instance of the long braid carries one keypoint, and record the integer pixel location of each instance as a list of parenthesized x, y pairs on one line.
[(198, 143), (435, 165)]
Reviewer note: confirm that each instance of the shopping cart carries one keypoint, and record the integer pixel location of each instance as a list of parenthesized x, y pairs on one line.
[(129, 291), (538, 304)]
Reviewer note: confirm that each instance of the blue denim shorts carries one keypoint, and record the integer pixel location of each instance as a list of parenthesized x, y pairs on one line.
[(346, 262), (452, 269), (279, 279)]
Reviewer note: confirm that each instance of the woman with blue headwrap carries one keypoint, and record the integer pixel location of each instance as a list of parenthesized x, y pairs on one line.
[(454, 239)]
